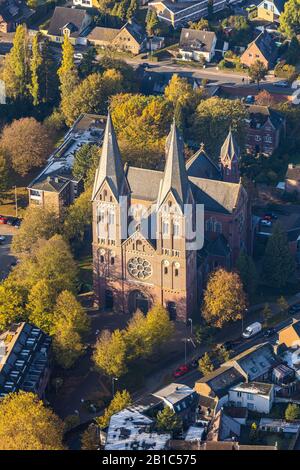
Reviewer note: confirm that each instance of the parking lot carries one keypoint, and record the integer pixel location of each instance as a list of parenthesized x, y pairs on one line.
[(6, 259)]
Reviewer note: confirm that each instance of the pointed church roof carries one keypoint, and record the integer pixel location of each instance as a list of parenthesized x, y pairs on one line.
[(200, 165), (110, 166), (175, 177), (230, 148)]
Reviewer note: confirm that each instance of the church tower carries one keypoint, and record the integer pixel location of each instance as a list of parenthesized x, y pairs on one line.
[(229, 159), (110, 193)]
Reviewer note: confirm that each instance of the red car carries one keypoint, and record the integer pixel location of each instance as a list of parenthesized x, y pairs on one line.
[(181, 370), (3, 220)]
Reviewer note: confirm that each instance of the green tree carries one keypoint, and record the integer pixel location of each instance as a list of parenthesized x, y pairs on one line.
[(120, 401), (168, 421), (278, 263), (12, 303), (201, 25), (152, 22), (37, 223), (247, 272), (292, 412), (210, 9), (159, 326), (290, 18), (293, 53), (88, 64), (283, 304), (67, 72), (132, 9), (257, 71), (48, 81), (40, 305), (86, 157), (4, 175), (71, 323), (27, 424), (266, 313), (35, 69), (78, 218), (205, 364), (221, 354), (110, 353), (224, 298), (138, 343), (16, 72)]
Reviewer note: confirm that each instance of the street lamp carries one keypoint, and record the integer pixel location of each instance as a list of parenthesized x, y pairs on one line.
[(245, 313), (186, 340), (191, 322), (113, 385)]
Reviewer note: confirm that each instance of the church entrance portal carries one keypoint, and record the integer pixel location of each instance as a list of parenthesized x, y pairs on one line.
[(138, 301)]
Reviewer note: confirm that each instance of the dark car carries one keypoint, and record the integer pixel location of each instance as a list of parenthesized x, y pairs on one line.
[(194, 364), (16, 223), (269, 332), (10, 221)]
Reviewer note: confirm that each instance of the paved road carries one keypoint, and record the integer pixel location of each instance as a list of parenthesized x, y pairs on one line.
[(6, 258)]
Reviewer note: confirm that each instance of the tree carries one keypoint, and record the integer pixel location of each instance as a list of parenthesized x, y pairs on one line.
[(35, 68), (201, 25), (178, 90), (210, 9), (90, 439), (266, 313), (292, 412), (37, 223), (257, 71), (168, 421), (26, 424), (264, 98), (91, 95), (293, 53), (282, 304), (67, 72), (138, 343), (120, 401), (278, 264), (152, 22), (27, 144), (16, 74), (78, 218), (205, 364), (12, 303), (40, 305), (4, 175), (224, 298), (88, 64), (254, 434), (110, 353), (86, 157), (290, 18), (69, 325), (159, 326), (132, 9), (48, 78), (221, 354), (247, 271), (240, 29)]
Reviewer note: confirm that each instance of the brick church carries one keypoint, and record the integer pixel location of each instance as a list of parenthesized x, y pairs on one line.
[(141, 252)]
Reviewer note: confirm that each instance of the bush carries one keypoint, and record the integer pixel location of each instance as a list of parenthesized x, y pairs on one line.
[(287, 71)]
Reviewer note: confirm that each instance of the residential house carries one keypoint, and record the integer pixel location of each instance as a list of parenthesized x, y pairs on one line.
[(290, 335), (70, 21), (216, 385), (263, 48), (178, 13), (217, 445), (180, 398), (24, 360), (264, 129), (292, 179), (13, 13), (223, 427), (279, 426), (130, 38), (197, 45), (131, 430), (270, 10), (56, 187), (255, 396)]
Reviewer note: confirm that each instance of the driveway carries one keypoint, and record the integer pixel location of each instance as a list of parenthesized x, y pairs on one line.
[(6, 258)]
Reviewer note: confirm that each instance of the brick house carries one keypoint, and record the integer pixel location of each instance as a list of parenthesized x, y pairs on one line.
[(140, 250), (13, 13), (265, 128), (130, 38), (263, 48)]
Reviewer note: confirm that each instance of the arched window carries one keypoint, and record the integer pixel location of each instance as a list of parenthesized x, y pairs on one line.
[(101, 259), (176, 272), (165, 270), (139, 245), (176, 229), (209, 225), (165, 227), (112, 260), (218, 227)]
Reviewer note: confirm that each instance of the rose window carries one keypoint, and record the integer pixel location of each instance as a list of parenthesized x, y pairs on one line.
[(139, 268)]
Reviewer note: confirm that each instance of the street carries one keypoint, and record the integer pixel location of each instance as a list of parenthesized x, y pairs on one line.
[(6, 258)]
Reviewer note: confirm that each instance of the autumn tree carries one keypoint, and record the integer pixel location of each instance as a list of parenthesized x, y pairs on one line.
[(152, 22), (290, 18), (168, 421), (67, 72), (248, 273), (86, 158), (257, 71), (110, 353), (205, 364), (221, 354), (35, 67), (40, 305), (224, 298), (138, 342), (292, 412), (27, 143), (266, 313), (78, 218), (121, 400), (26, 424), (37, 223), (4, 175), (264, 98), (70, 324), (201, 25), (133, 6), (159, 326), (12, 303), (90, 438), (91, 95), (16, 72), (282, 304), (278, 264)]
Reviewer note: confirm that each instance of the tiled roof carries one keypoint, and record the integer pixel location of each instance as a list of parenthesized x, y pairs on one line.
[(63, 16), (217, 196), (194, 39), (102, 34), (201, 166)]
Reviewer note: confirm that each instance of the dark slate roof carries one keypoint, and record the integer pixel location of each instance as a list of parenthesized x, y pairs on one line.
[(63, 16), (110, 166), (260, 114), (139, 182), (217, 196), (222, 379), (201, 166), (175, 177), (135, 31), (193, 39), (266, 45), (102, 34), (278, 3), (256, 361), (230, 149)]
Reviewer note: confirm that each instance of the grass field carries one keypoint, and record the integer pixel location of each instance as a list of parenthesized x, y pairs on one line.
[(8, 204)]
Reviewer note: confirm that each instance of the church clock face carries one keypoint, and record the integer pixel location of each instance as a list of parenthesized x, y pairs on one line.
[(139, 268)]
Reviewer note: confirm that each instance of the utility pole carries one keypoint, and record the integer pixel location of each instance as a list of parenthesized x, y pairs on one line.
[(16, 201)]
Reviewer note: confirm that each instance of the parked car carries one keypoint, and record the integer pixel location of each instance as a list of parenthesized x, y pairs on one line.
[(78, 56), (269, 332), (266, 223), (16, 223), (270, 216), (11, 220), (2, 239), (250, 99), (181, 370), (193, 364), (282, 84), (3, 219), (252, 330)]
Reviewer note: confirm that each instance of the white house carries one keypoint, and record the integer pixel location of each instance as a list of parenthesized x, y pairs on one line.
[(195, 44), (255, 396)]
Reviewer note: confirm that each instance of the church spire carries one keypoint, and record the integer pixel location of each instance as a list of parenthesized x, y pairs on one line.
[(175, 177), (110, 166), (229, 158)]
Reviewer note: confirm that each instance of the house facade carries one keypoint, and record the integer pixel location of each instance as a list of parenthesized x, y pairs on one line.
[(263, 48), (129, 38), (270, 10), (146, 248), (254, 396), (72, 22), (195, 45)]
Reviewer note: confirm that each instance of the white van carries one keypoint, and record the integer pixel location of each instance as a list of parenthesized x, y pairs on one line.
[(252, 330)]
